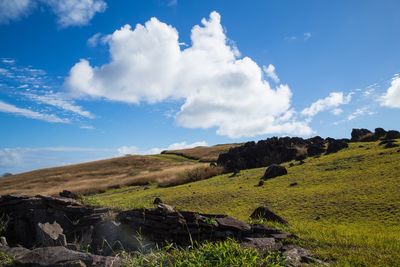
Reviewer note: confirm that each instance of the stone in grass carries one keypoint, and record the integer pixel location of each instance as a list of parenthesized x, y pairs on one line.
[(273, 171), (260, 183), (264, 213)]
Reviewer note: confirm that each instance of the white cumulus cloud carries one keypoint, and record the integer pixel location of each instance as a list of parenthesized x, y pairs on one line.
[(219, 88), (392, 96), (331, 102)]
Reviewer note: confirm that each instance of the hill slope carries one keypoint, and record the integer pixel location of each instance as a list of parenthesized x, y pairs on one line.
[(98, 175), (346, 206), (202, 153)]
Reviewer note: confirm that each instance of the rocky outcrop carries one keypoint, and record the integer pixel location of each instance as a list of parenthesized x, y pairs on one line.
[(270, 151), (365, 135), (28, 213), (274, 171)]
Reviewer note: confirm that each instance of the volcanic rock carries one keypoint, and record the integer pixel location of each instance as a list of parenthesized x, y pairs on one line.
[(335, 146), (50, 234), (274, 171), (266, 214)]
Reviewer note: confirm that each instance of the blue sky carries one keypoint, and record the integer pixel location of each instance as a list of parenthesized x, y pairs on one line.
[(79, 80)]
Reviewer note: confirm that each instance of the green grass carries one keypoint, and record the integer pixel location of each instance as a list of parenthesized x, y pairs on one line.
[(221, 254), (5, 260), (346, 206)]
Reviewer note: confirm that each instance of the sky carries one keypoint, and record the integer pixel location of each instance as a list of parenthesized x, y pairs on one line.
[(82, 80)]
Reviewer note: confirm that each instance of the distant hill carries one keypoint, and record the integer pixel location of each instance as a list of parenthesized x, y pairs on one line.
[(202, 153), (99, 175)]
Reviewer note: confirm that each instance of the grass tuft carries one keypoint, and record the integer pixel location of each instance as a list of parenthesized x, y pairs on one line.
[(220, 254)]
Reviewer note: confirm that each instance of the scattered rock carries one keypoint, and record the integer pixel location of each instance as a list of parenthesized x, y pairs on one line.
[(274, 171), (260, 183), (157, 201), (291, 164), (364, 135), (68, 194), (391, 145), (50, 235), (266, 214), (293, 184), (384, 142), (301, 162)]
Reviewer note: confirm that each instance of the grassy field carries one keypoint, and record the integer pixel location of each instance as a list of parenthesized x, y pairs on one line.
[(345, 208), (100, 175)]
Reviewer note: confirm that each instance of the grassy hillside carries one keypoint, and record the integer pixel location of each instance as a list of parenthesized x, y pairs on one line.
[(202, 153), (346, 206), (99, 175)]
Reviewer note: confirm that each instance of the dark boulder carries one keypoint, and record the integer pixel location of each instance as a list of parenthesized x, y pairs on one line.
[(379, 133), (264, 213), (293, 184), (260, 183), (315, 149), (335, 146), (274, 171), (391, 145), (392, 135), (358, 135)]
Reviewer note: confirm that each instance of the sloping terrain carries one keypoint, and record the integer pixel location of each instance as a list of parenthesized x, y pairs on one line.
[(97, 176), (202, 153), (345, 206)]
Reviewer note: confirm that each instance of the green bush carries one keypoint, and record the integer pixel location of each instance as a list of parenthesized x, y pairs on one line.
[(220, 254)]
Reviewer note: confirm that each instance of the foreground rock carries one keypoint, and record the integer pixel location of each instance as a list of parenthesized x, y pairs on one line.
[(274, 171), (53, 230), (57, 256)]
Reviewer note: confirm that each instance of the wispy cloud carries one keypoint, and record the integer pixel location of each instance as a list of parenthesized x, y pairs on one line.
[(34, 86), (57, 100), (271, 73), (69, 13), (9, 108)]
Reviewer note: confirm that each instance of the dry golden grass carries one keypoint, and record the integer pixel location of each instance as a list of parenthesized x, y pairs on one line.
[(202, 153), (97, 176)]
